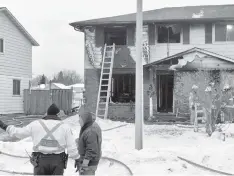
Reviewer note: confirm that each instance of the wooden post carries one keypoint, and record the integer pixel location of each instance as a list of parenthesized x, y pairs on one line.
[(195, 118), (151, 80), (73, 97), (29, 87), (156, 91), (139, 117), (50, 93)]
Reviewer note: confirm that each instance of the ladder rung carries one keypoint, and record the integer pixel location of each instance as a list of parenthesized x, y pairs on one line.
[(104, 85), (199, 111), (103, 97), (105, 79), (102, 103), (103, 91), (102, 109), (106, 68), (101, 114), (107, 62), (109, 51), (105, 73)]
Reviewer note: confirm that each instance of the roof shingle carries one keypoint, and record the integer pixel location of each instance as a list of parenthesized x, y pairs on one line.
[(188, 13)]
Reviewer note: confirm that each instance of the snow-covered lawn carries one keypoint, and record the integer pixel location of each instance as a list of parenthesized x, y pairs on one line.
[(162, 145)]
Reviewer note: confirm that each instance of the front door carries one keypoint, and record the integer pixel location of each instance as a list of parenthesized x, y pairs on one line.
[(165, 85)]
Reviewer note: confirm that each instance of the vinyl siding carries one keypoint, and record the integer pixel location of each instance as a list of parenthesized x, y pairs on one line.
[(197, 39), (15, 63)]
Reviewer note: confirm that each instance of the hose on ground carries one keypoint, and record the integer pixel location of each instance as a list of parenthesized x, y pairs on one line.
[(189, 126), (14, 172), (117, 161), (11, 155), (115, 127), (24, 173), (204, 167)]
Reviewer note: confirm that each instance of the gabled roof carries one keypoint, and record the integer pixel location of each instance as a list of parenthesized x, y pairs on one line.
[(169, 14), (195, 49), (19, 26)]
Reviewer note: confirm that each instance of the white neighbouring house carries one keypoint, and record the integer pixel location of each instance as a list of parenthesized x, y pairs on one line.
[(15, 62)]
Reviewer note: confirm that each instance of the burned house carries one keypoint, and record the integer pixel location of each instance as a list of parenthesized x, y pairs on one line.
[(176, 42)]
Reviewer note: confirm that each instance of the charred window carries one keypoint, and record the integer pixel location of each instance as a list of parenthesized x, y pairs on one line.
[(169, 33), (115, 35), (123, 88)]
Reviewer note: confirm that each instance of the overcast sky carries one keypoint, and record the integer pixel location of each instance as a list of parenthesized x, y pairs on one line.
[(60, 46)]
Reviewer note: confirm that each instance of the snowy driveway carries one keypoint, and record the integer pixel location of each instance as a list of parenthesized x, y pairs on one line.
[(162, 145)]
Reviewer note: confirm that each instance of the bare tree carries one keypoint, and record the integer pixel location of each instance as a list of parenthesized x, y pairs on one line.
[(213, 93), (40, 79), (67, 77)]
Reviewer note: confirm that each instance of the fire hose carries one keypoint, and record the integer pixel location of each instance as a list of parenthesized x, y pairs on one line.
[(204, 167), (26, 157)]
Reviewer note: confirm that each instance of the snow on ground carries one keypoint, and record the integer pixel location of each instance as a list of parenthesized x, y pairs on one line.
[(162, 145)]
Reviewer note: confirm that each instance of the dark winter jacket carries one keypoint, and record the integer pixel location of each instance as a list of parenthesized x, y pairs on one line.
[(90, 141)]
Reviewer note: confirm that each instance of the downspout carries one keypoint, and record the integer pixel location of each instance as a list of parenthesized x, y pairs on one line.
[(168, 42)]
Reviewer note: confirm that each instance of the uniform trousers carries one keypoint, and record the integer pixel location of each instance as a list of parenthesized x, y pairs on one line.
[(50, 164)]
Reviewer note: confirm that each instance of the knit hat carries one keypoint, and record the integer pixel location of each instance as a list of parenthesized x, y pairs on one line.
[(53, 110)]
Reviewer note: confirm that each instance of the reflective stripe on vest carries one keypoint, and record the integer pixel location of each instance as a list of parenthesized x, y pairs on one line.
[(50, 143)]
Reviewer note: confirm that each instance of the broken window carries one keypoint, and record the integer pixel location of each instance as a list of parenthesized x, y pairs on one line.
[(169, 33), (224, 32), (115, 35), (123, 88)]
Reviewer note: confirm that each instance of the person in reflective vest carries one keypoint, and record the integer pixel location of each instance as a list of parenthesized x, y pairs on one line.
[(89, 144), (50, 137)]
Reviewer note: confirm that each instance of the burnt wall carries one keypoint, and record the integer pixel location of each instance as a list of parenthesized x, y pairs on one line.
[(116, 111)]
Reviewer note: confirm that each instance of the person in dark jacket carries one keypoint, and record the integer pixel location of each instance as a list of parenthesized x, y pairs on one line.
[(89, 144)]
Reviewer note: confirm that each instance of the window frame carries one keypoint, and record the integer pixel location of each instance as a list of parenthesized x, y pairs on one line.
[(214, 32), (19, 86), (3, 48), (181, 35), (132, 86), (111, 30)]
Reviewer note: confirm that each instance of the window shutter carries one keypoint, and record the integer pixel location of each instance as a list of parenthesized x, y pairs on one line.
[(1, 45), (131, 35), (18, 88), (208, 33), (99, 36), (220, 32), (14, 87), (186, 33), (151, 34)]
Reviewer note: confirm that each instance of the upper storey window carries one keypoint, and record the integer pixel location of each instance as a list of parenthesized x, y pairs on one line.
[(117, 36), (224, 32), (169, 33)]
